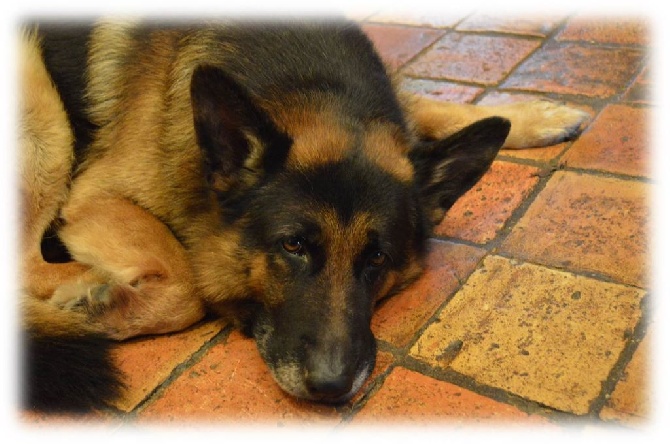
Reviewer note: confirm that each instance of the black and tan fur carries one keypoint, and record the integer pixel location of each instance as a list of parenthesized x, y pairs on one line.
[(268, 173)]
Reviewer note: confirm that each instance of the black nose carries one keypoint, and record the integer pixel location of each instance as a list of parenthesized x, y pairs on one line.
[(328, 386)]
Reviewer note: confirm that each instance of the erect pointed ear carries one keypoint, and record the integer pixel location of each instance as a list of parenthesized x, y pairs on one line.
[(445, 169), (238, 139)]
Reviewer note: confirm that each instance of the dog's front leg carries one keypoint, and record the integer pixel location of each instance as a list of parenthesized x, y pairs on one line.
[(534, 123), (143, 283)]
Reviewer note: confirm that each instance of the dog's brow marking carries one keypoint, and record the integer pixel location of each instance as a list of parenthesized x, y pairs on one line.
[(384, 147)]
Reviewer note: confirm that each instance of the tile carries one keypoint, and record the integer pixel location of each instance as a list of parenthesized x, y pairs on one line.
[(471, 58), (539, 154), (574, 68), (440, 90), (408, 397), (617, 142), (434, 20), (398, 319), (542, 334), (482, 212), (640, 91), (587, 223), (631, 400), (147, 362), (232, 385), (398, 44), (538, 26), (592, 29)]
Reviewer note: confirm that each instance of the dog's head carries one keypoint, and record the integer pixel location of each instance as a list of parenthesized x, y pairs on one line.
[(329, 216)]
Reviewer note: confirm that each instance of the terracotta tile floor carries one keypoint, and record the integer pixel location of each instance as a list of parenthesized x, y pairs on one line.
[(534, 308)]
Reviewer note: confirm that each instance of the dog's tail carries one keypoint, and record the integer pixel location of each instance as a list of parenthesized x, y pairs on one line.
[(67, 365)]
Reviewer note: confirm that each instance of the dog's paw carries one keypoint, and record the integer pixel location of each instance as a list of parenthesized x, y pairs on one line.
[(92, 299), (542, 123)]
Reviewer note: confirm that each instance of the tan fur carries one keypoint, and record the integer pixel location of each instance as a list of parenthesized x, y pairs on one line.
[(145, 279), (45, 159), (388, 151)]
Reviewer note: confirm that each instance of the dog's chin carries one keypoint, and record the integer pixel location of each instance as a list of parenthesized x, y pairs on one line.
[(290, 377)]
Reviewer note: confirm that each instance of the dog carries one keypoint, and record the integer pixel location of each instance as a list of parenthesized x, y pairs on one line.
[(274, 174)]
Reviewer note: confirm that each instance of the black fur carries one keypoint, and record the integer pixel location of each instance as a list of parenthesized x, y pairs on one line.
[(65, 54), (331, 57), (68, 373)]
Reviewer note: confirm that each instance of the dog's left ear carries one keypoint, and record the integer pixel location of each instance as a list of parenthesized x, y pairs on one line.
[(238, 139), (445, 169)]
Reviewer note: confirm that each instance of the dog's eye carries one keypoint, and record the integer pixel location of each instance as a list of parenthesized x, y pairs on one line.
[(294, 245), (377, 259)]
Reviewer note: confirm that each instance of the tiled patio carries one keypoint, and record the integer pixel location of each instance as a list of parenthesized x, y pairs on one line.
[(535, 306)]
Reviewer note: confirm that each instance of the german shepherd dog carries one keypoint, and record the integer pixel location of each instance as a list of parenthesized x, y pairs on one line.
[(270, 173)]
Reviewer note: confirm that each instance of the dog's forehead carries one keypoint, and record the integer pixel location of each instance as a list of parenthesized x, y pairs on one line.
[(331, 139)]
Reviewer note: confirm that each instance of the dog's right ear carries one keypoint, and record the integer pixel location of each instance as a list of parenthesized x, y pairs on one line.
[(238, 139)]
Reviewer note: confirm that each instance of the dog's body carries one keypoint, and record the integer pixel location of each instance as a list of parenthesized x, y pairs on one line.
[(270, 173)]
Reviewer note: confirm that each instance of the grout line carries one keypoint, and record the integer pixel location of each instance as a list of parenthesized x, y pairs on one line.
[(617, 371), (179, 369)]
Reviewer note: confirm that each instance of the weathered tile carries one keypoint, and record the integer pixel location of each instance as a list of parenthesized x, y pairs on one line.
[(587, 223), (398, 318), (440, 90), (408, 397), (617, 142), (483, 211), (232, 385), (539, 26), (471, 58), (622, 31), (432, 20), (574, 68), (630, 402), (540, 154), (545, 335), (147, 362), (398, 44)]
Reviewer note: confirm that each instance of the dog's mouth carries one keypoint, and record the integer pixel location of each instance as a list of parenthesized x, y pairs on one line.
[(292, 378), (329, 378)]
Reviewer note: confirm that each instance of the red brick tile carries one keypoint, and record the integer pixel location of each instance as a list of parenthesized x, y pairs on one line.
[(622, 31), (480, 214), (539, 154), (232, 384), (631, 400), (440, 90), (525, 25), (542, 334), (398, 44), (587, 223), (408, 397), (471, 58), (571, 68), (617, 141), (398, 319), (417, 19), (640, 90), (147, 362)]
